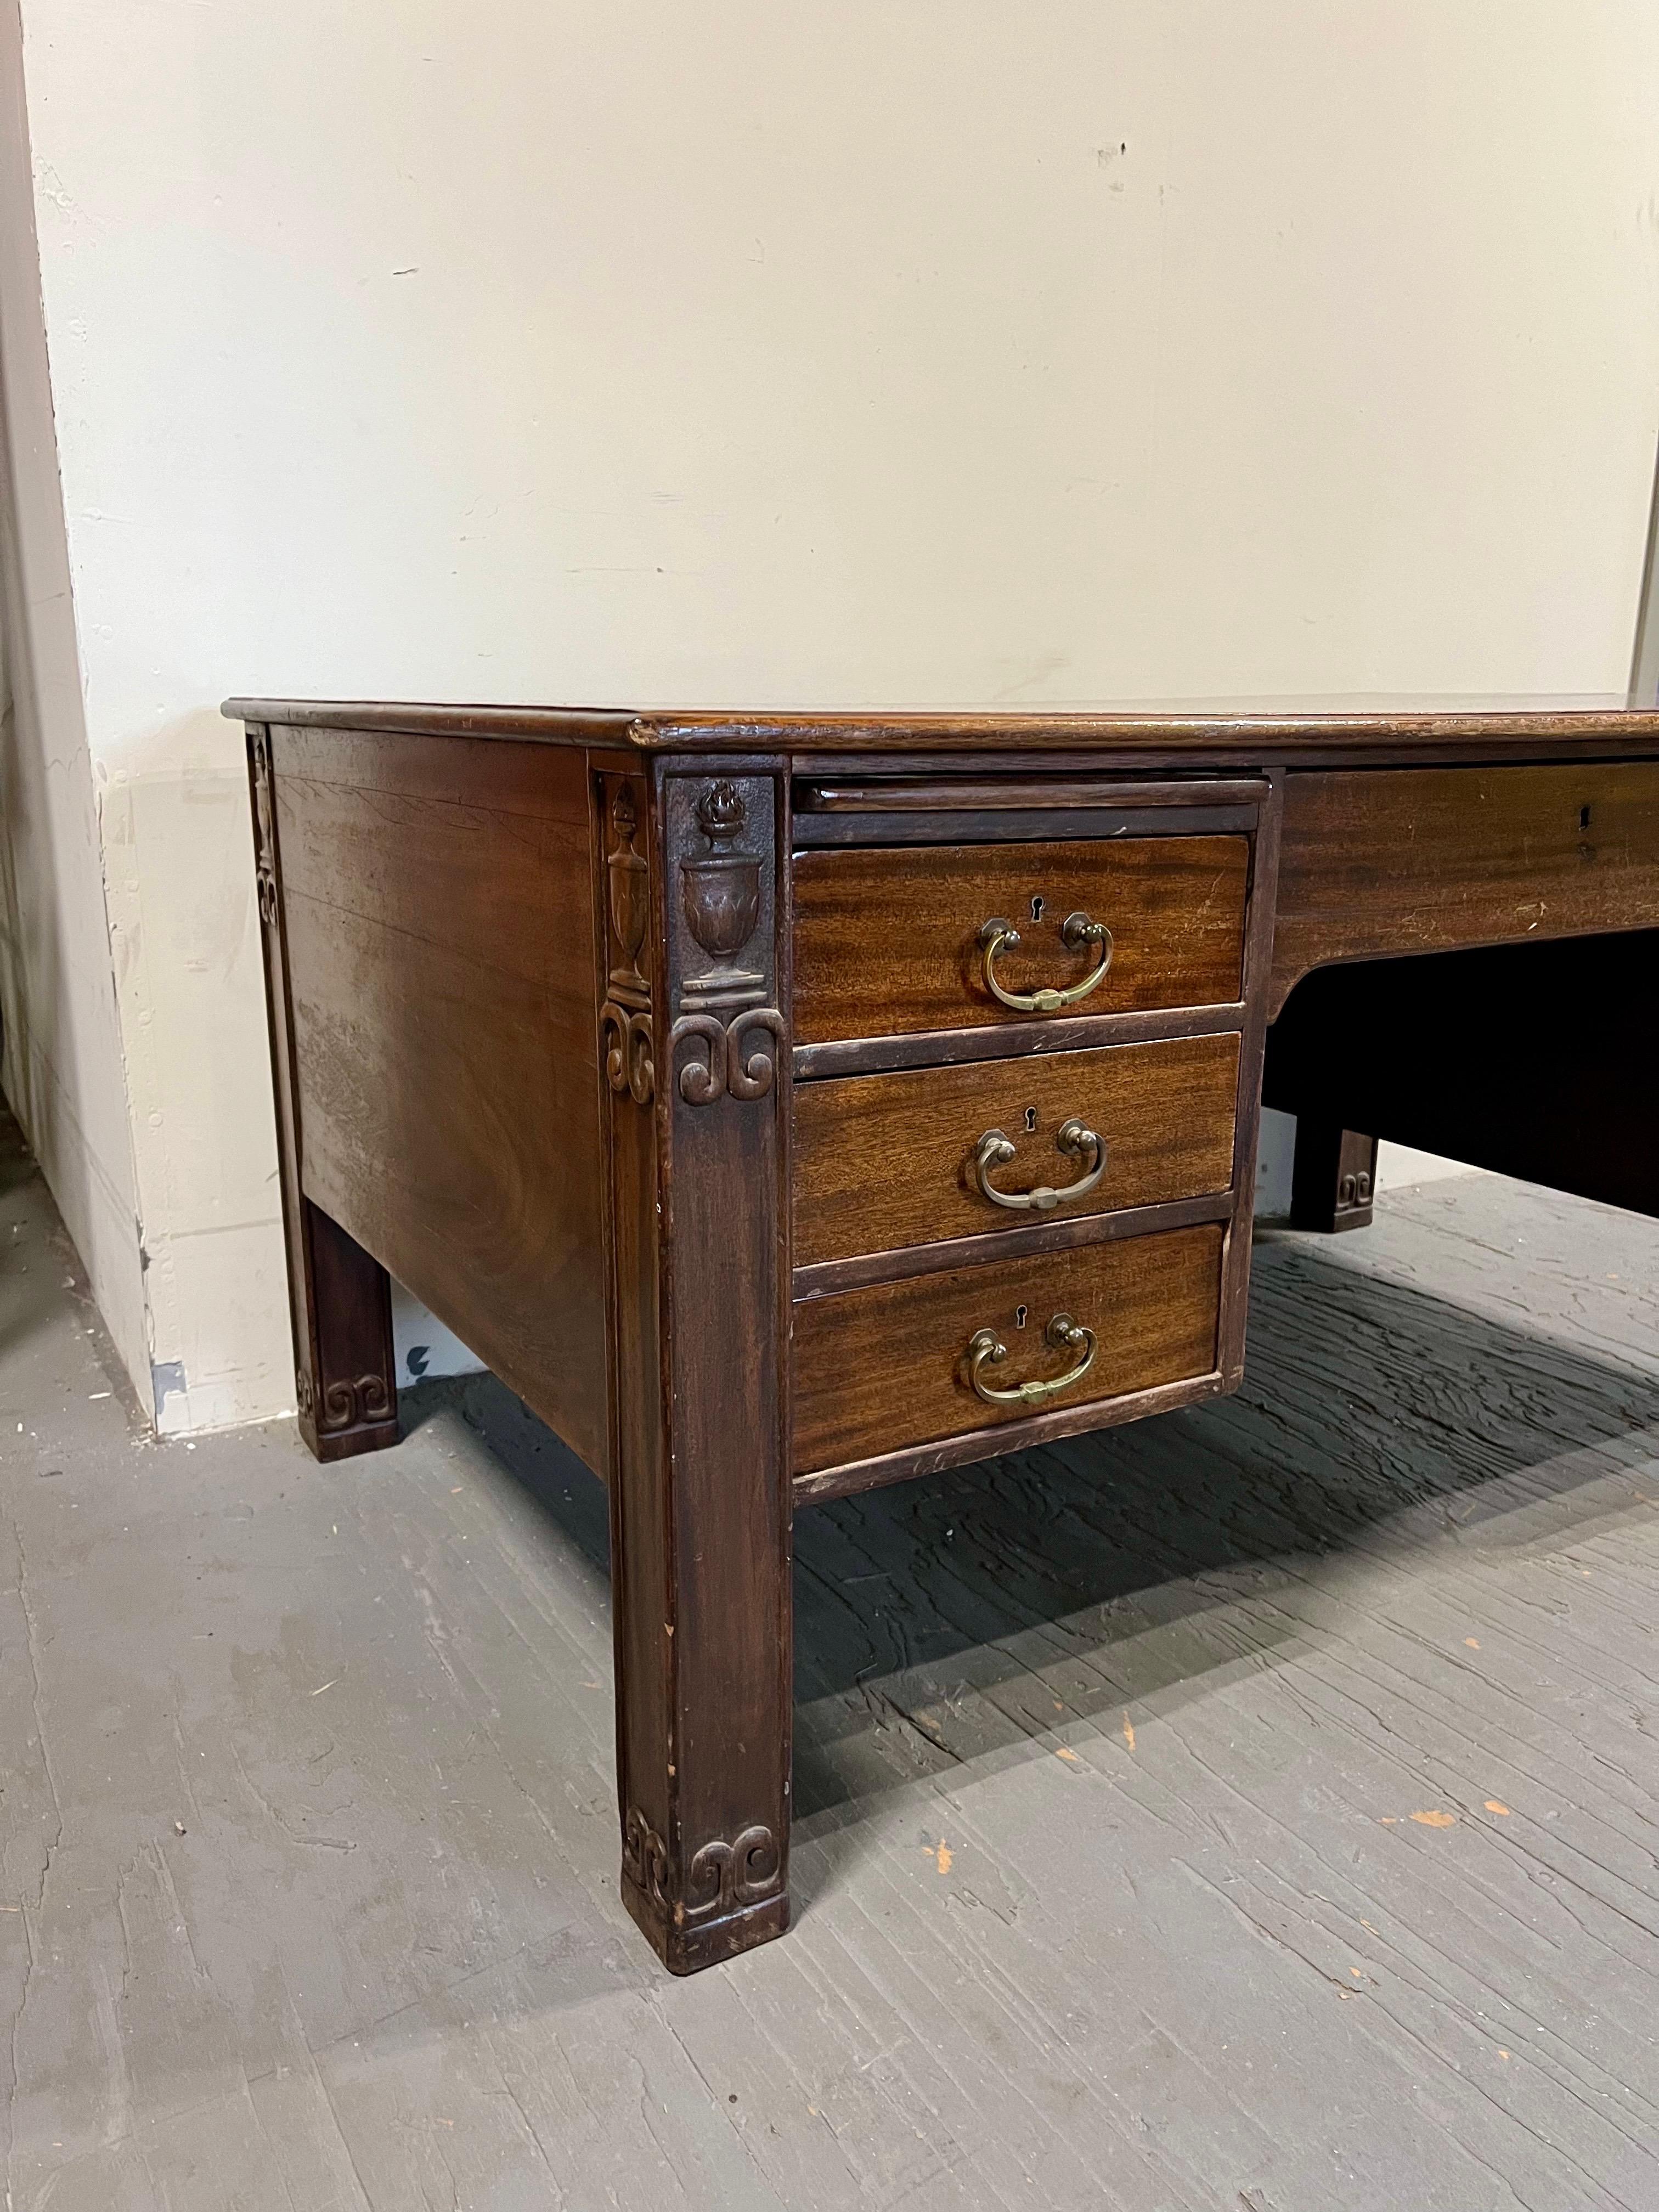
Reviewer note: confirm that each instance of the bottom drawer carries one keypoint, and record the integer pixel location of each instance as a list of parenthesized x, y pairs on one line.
[(879, 1369)]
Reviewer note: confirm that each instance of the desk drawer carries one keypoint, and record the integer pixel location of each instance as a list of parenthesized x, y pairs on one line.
[(881, 1369), (886, 1161), (887, 939)]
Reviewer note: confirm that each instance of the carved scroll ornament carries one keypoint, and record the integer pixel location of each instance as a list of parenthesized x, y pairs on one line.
[(345, 1405), (645, 1858), (726, 1875), (728, 1068), (723, 1876)]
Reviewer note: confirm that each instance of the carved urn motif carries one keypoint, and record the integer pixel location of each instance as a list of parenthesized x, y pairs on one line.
[(722, 889), (629, 887)]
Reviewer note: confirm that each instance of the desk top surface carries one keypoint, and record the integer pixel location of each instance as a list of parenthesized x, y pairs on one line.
[(1317, 729)]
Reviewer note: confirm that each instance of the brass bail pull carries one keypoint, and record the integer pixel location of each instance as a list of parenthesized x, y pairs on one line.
[(997, 936), (994, 1150), (987, 1349)]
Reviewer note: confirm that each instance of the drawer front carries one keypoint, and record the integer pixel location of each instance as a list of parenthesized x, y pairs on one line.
[(887, 939), (881, 1369), (885, 1161)]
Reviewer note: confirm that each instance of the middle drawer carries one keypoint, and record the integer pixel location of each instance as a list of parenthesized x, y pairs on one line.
[(882, 1161)]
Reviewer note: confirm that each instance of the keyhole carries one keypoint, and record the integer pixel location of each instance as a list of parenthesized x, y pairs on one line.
[(1584, 817), (1030, 1121), (1019, 1317), (1036, 910)]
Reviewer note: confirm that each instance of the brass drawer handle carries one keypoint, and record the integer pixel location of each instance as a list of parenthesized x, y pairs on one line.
[(1077, 930), (994, 1150), (986, 1348)]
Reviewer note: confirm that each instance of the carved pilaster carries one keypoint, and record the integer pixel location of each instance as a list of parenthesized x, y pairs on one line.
[(724, 916), (264, 829), (625, 1016), (699, 1493)]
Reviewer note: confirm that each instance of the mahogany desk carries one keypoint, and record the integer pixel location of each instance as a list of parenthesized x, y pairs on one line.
[(784, 1104)]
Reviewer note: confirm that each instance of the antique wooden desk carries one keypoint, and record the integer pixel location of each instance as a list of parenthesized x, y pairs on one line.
[(785, 1104)]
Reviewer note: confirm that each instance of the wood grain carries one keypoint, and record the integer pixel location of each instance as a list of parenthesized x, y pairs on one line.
[(887, 941), (1433, 860), (876, 1370), (440, 933), (883, 1161)]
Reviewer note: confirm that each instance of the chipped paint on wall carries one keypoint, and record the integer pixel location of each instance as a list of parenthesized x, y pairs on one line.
[(424, 1346), (167, 1381)]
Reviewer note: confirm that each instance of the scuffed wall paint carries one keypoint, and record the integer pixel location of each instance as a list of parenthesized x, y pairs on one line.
[(424, 1346)]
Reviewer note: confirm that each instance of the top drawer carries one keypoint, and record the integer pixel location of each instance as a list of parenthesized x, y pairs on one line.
[(888, 940)]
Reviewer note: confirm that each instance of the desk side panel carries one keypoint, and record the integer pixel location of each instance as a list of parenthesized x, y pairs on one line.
[(440, 933)]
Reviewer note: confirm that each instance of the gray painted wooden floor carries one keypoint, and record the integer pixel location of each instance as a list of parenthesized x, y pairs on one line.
[(1255, 1810)]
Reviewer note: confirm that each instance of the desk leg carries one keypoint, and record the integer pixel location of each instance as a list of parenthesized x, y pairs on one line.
[(345, 1379), (339, 1298), (1333, 1178), (700, 1501)]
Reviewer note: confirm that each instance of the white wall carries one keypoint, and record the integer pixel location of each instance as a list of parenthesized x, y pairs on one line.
[(821, 354), (62, 1066)]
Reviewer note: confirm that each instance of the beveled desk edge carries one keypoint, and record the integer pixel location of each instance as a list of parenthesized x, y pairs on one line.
[(1248, 735)]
